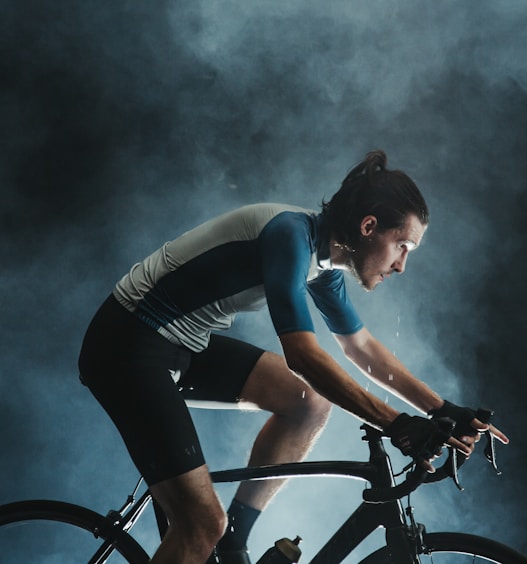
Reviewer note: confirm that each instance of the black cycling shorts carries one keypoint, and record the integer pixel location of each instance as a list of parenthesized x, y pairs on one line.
[(142, 381)]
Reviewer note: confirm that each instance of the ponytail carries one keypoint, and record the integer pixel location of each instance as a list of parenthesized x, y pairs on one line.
[(375, 161), (370, 188)]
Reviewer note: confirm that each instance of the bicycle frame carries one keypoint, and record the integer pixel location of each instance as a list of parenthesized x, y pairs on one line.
[(406, 540), (363, 521)]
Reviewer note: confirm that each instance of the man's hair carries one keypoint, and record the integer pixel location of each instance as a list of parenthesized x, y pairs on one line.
[(371, 189)]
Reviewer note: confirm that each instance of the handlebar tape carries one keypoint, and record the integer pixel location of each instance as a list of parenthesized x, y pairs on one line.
[(383, 495)]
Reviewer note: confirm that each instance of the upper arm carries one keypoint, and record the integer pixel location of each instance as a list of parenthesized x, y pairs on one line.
[(286, 254), (329, 293), (286, 257)]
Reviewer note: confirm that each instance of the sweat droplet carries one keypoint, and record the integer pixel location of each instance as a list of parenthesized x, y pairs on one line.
[(390, 377), (369, 369), (303, 394)]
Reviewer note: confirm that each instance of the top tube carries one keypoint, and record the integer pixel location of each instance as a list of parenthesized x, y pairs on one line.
[(349, 469)]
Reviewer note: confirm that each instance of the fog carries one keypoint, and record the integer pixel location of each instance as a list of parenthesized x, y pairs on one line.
[(124, 124)]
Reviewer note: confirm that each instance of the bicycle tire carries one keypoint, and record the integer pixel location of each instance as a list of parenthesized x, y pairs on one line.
[(456, 544), (23, 512)]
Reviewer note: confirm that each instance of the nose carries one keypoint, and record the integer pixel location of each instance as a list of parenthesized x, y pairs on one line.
[(400, 264)]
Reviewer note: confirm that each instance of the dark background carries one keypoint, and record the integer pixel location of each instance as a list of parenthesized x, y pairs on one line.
[(126, 123)]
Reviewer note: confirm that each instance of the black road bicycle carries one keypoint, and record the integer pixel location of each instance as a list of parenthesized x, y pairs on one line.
[(108, 537)]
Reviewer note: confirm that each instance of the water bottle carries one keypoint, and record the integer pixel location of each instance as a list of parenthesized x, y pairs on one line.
[(284, 551)]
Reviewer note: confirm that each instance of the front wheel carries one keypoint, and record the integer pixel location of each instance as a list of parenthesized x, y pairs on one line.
[(47, 531), (455, 548)]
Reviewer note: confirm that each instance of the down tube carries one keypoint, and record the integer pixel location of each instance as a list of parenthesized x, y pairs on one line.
[(356, 528)]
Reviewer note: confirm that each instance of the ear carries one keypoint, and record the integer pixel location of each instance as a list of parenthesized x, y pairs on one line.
[(368, 225)]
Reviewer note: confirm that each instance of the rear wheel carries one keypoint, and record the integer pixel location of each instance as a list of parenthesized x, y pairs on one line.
[(455, 548), (46, 531)]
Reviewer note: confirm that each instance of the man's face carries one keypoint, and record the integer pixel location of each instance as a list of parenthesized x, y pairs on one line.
[(378, 254)]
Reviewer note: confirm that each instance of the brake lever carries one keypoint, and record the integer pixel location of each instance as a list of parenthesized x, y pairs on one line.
[(490, 455), (455, 468), (490, 451), (484, 415), (457, 459)]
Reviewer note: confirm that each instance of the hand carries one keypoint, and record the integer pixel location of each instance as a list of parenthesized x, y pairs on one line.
[(468, 427), (418, 437)]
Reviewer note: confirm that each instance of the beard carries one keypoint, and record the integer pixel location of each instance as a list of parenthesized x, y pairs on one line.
[(358, 262), (356, 266)]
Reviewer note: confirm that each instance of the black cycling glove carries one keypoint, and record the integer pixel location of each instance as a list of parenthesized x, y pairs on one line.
[(461, 415), (418, 437)]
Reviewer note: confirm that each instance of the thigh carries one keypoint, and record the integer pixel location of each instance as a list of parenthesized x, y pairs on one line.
[(218, 374), (272, 386), (153, 420)]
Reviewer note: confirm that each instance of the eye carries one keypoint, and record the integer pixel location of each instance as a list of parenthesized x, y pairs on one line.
[(407, 246)]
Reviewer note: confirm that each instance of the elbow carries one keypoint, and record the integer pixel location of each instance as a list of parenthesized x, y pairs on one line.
[(301, 351), (296, 362), (354, 345)]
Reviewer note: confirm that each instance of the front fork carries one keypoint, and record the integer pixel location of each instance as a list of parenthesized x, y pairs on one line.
[(406, 542)]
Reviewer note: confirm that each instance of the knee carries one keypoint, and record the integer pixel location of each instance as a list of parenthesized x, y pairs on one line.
[(218, 526), (209, 524), (310, 406), (196, 530), (202, 530)]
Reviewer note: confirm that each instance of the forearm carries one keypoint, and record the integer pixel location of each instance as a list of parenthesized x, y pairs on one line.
[(330, 380), (386, 370)]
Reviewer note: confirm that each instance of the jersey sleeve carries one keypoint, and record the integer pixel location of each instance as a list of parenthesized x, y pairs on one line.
[(286, 256), (329, 294)]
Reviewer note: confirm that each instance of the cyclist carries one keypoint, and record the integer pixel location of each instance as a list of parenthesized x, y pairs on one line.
[(156, 343)]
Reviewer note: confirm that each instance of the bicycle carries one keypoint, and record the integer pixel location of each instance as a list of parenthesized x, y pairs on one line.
[(407, 541)]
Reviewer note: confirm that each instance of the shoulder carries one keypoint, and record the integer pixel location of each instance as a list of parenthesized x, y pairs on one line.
[(290, 220), (279, 214)]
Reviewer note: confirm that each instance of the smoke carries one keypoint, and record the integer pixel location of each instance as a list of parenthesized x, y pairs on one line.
[(126, 125)]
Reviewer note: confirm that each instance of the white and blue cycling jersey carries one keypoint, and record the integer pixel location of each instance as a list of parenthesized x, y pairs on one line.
[(257, 254)]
